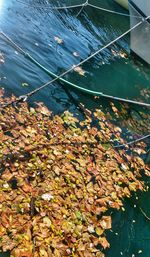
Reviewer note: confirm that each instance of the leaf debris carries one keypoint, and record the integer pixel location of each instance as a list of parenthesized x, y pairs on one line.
[(58, 182)]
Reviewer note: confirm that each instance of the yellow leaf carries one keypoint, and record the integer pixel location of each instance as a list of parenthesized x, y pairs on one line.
[(58, 40), (43, 252), (99, 231), (47, 221)]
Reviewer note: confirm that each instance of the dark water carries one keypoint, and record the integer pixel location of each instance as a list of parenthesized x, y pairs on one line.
[(34, 30)]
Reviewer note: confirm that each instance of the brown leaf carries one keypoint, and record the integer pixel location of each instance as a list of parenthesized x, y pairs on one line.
[(106, 222), (104, 242), (79, 70)]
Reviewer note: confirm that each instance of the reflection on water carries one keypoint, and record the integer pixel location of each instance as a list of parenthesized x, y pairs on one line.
[(1, 5), (1, 8), (131, 229), (109, 72), (34, 30)]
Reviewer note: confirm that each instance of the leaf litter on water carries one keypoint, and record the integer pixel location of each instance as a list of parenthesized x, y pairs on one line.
[(58, 180)]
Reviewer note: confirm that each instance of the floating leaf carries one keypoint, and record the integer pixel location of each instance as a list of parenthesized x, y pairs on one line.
[(58, 40), (59, 177), (76, 54), (106, 222), (104, 242), (99, 231), (91, 229), (25, 84), (79, 70), (47, 196), (47, 221)]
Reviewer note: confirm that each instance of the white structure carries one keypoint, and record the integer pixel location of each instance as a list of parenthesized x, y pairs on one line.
[(140, 37), (123, 3)]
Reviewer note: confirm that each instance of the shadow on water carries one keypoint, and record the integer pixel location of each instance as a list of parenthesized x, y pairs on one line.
[(130, 236), (121, 75)]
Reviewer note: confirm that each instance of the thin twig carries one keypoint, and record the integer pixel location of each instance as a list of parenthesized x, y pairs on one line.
[(145, 215), (133, 142)]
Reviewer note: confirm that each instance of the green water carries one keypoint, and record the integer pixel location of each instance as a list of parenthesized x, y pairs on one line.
[(131, 229), (34, 30)]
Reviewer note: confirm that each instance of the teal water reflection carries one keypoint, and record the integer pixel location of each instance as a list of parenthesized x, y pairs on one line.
[(34, 30), (131, 229)]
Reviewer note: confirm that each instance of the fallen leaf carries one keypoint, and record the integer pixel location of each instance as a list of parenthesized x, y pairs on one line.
[(79, 70), (76, 54), (58, 40)]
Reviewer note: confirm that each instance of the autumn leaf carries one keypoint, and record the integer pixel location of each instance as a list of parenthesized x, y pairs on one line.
[(47, 196), (76, 54), (43, 109), (60, 176), (104, 242), (79, 70), (106, 222), (123, 54), (99, 231), (58, 40), (24, 84)]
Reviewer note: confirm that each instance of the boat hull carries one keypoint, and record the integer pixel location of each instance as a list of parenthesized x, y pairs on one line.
[(123, 3), (140, 37)]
